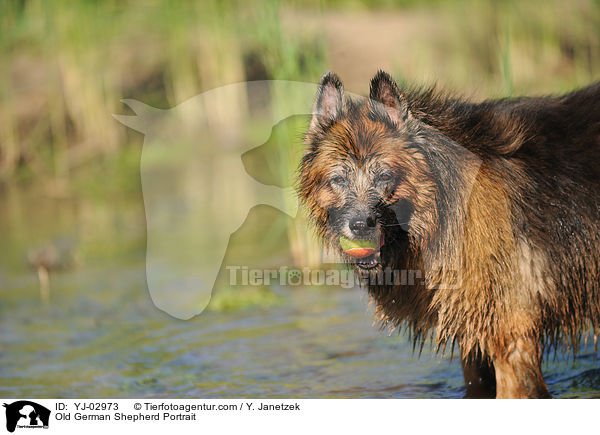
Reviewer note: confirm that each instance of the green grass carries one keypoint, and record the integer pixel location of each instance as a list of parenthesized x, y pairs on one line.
[(67, 64), (239, 298)]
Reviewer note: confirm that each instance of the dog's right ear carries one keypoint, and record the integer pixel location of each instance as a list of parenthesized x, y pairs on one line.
[(329, 102), (384, 91)]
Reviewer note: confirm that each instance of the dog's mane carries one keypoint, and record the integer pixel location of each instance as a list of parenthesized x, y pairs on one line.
[(509, 126)]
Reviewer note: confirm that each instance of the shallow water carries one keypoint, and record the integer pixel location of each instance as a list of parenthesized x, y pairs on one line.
[(101, 336)]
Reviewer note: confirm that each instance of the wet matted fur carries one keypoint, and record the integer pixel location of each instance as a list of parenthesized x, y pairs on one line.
[(497, 203)]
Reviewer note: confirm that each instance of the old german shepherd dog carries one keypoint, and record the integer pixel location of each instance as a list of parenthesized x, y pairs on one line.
[(496, 203)]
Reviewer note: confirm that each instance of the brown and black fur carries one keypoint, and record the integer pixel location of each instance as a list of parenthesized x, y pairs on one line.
[(498, 203)]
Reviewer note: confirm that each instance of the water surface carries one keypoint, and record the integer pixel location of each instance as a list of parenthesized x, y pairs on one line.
[(101, 336)]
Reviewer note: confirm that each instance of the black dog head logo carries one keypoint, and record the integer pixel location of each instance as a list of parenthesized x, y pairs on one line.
[(31, 413)]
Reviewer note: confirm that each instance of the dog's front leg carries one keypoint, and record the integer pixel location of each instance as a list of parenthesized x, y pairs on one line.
[(480, 380), (518, 371)]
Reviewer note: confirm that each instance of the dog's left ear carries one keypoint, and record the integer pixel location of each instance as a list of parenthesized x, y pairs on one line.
[(330, 100), (385, 91)]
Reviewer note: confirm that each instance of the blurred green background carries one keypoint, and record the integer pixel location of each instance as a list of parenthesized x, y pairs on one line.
[(65, 65), (70, 192)]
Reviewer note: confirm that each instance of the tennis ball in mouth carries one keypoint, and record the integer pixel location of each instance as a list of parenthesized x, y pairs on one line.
[(357, 248)]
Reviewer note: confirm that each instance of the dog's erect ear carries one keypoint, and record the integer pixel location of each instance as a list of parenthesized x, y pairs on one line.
[(385, 91), (330, 100)]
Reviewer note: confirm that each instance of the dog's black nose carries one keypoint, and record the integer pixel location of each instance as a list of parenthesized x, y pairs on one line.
[(361, 225)]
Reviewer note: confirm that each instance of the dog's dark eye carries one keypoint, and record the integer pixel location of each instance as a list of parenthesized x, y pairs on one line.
[(337, 180), (384, 178)]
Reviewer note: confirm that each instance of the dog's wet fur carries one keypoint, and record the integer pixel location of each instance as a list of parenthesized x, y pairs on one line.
[(497, 203)]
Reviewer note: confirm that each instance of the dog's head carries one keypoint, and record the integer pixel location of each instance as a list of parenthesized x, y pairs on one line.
[(364, 173)]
